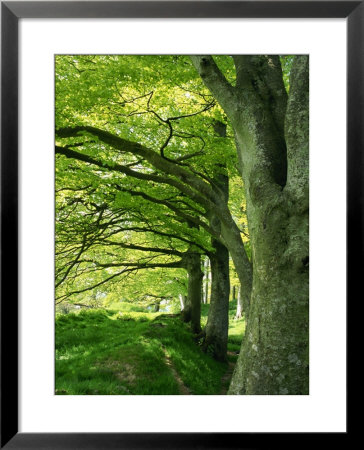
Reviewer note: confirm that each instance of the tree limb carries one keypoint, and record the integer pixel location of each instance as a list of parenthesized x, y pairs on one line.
[(215, 81)]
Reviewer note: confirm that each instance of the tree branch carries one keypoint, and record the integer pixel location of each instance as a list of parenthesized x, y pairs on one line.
[(149, 155), (182, 186), (215, 81), (297, 132)]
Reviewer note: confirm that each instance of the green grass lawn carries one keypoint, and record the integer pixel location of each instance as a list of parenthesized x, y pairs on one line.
[(110, 352)]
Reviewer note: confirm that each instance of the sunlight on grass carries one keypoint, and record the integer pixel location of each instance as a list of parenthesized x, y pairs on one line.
[(113, 352)]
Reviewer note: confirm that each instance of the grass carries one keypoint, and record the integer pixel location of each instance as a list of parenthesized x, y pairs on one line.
[(113, 352)]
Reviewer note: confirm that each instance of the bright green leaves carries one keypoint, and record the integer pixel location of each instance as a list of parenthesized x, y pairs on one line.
[(110, 215)]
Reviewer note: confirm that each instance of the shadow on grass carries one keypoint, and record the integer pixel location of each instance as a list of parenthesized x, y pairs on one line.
[(108, 352)]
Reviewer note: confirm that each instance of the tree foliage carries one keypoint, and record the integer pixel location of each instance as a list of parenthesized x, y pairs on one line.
[(163, 159), (119, 211)]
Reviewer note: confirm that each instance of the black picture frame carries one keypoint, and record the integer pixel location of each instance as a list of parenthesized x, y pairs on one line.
[(11, 12)]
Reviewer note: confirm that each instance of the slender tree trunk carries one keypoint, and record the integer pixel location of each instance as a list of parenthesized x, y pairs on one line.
[(182, 300), (232, 239), (239, 305), (156, 306), (206, 280), (187, 307), (192, 309), (216, 332), (209, 282), (233, 293)]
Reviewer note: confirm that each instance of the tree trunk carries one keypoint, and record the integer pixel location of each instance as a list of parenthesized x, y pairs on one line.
[(239, 305), (187, 308), (206, 280), (209, 282), (232, 239), (182, 300), (216, 332), (217, 327), (274, 354), (156, 306), (192, 309), (272, 146)]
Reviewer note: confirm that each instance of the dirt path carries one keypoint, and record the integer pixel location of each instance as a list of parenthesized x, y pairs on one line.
[(183, 389), (225, 380)]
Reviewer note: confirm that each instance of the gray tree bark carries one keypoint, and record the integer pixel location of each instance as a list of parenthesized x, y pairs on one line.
[(192, 308), (272, 145), (216, 331), (217, 327)]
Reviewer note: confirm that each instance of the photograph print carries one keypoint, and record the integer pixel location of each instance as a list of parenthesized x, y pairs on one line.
[(182, 224)]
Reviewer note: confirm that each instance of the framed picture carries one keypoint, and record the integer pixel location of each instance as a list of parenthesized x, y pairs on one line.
[(32, 33)]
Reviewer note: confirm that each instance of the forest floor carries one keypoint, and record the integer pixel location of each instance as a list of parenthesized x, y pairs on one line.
[(110, 352)]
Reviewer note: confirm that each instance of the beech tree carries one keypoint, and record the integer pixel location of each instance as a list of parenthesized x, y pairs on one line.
[(272, 141)]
